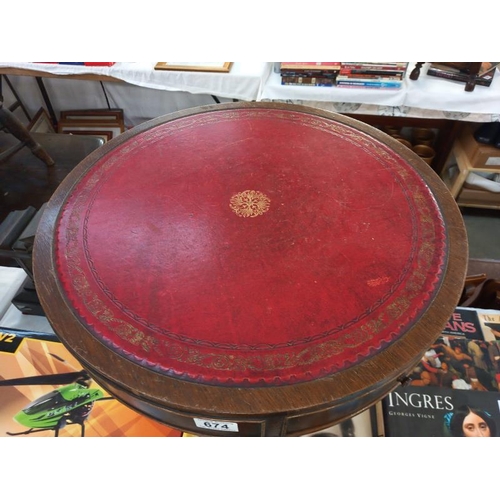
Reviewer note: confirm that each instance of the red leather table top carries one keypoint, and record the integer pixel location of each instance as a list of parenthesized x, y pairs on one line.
[(250, 247)]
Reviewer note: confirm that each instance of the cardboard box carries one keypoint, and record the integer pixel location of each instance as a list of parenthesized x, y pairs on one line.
[(481, 156), (478, 197)]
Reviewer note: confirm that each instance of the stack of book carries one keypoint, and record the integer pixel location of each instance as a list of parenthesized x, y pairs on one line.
[(376, 75), (459, 72), (318, 74)]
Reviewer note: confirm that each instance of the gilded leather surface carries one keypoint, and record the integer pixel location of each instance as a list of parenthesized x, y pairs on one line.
[(337, 251)]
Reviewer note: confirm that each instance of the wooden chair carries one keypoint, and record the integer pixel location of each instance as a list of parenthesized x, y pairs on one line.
[(486, 295), (25, 186), (26, 181), (11, 124)]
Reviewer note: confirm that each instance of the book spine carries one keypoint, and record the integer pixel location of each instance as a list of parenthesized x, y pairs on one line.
[(369, 78), (318, 82), (374, 67), (319, 73), (396, 85), (310, 84), (396, 74), (365, 86), (329, 66)]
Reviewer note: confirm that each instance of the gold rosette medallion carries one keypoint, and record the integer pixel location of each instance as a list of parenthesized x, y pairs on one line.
[(249, 203)]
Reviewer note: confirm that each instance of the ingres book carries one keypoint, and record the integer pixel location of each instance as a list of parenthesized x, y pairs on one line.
[(454, 389), (440, 412)]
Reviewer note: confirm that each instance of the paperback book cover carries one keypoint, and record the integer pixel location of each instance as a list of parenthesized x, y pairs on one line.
[(464, 322), (440, 412), (490, 324), (44, 392), (454, 390)]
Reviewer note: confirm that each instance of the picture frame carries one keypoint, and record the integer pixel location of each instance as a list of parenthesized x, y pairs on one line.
[(41, 123), (92, 114), (95, 127), (107, 116), (105, 135), (211, 67)]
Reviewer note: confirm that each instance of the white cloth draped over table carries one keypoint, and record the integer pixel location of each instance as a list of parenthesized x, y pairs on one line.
[(427, 97), (141, 92)]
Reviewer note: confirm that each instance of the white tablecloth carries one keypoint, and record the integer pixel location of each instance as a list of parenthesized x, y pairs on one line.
[(244, 81), (141, 92), (427, 97)]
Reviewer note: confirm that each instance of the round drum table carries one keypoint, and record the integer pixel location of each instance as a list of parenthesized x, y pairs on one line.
[(250, 269)]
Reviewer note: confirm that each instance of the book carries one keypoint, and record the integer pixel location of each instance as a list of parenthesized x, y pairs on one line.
[(490, 324), (464, 322), (438, 412), (380, 66), (312, 81), (441, 70), (330, 66), (45, 392), (367, 78), (454, 390), (309, 74), (374, 85), (360, 73)]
